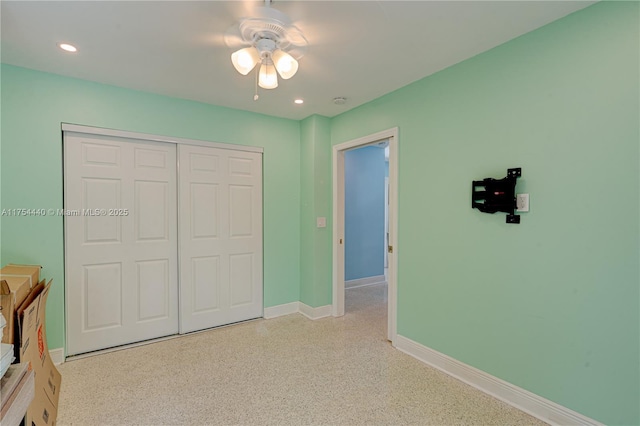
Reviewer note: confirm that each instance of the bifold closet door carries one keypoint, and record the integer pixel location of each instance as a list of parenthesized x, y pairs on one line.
[(220, 222), (121, 241)]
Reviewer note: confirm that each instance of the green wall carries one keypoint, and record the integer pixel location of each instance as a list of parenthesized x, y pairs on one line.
[(552, 304), (33, 106), (315, 185)]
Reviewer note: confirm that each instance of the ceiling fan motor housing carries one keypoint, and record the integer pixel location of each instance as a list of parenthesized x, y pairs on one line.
[(265, 46)]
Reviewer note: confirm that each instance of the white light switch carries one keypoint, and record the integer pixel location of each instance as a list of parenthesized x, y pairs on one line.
[(321, 222), (522, 202)]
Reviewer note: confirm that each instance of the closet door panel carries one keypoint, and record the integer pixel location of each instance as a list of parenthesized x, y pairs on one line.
[(121, 279), (220, 237)]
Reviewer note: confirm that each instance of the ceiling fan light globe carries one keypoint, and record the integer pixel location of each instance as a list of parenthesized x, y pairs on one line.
[(268, 78), (244, 60), (286, 65)]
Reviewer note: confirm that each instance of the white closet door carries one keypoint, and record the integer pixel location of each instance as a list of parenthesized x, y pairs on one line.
[(220, 222), (121, 241)]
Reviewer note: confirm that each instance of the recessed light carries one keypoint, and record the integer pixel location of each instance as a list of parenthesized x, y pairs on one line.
[(340, 100), (67, 47), (299, 101)]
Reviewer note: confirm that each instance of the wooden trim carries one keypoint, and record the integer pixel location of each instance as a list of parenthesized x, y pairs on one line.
[(361, 282), (281, 310), (530, 403), (57, 355), (338, 224), (315, 313), (67, 127)]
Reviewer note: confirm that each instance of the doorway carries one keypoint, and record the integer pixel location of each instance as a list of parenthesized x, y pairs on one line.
[(339, 224), (365, 215)]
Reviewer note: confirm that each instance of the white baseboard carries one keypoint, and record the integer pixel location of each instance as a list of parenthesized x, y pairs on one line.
[(280, 310), (315, 313), (537, 406), (57, 355), (361, 282), (297, 307)]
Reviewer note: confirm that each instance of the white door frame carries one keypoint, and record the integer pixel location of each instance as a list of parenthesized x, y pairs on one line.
[(338, 224), (386, 221)]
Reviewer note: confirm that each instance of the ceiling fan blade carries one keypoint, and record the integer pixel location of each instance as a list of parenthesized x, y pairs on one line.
[(295, 36), (267, 23), (233, 38)]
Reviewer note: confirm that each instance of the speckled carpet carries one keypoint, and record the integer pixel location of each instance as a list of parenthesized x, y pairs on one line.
[(284, 371)]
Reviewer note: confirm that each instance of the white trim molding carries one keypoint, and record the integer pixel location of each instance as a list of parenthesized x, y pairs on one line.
[(315, 313), (76, 128), (57, 355), (361, 282), (530, 403), (281, 310), (338, 285), (297, 308)]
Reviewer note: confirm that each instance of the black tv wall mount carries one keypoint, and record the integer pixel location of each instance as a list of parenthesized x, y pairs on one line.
[(497, 195)]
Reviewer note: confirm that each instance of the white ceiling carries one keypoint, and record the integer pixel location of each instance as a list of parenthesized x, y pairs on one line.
[(357, 49)]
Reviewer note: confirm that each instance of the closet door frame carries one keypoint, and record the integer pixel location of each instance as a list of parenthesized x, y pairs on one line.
[(75, 128), (66, 127)]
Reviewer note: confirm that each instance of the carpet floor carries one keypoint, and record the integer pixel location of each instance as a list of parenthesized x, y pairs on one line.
[(284, 371)]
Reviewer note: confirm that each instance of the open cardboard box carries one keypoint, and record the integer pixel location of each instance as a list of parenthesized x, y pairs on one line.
[(34, 350), (16, 283), (7, 309)]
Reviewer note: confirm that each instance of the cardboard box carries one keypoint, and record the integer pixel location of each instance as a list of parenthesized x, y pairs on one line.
[(31, 271), (19, 312), (33, 349), (7, 309), (16, 282), (21, 279)]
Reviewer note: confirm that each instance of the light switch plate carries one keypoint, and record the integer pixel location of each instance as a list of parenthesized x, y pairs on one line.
[(522, 202), (321, 222)]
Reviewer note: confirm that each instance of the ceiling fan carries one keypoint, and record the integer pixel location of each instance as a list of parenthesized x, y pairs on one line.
[(270, 39)]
